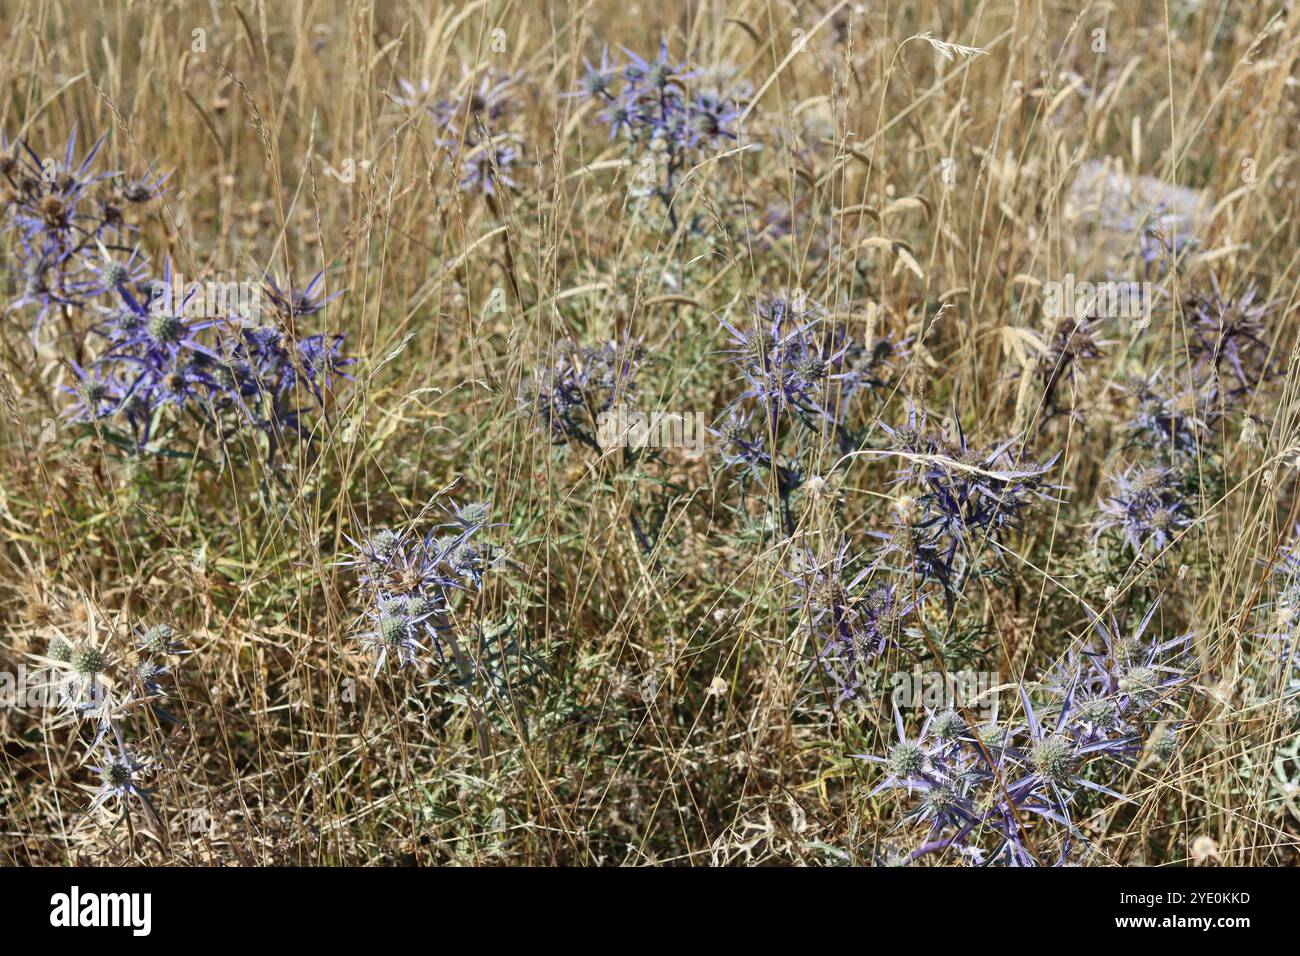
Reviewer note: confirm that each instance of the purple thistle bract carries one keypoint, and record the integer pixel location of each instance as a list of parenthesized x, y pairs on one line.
[(1146, 507), (853, 620), (1230, 336), (1000, 793), (473, 128), (567, 398), (158, 355)]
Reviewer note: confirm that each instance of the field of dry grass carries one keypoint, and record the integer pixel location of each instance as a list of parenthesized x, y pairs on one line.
[(836, 236)]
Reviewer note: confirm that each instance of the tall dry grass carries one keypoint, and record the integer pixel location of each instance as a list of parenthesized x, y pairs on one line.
[(670, 717)]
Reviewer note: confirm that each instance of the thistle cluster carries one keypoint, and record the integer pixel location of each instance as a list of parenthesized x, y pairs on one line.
[(802, 375), (651, 105), (567, 398), (106, 688), (472, 126), (1147, 508), (960, 501), (151, 353), (62, 212), (853, 619), (222, 372), (1170, 418), (1006, 792), (648, 103), (1179, 416), (798, 365), (410, 581)]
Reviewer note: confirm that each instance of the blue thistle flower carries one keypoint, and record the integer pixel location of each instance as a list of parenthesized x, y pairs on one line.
[(1147, 508)]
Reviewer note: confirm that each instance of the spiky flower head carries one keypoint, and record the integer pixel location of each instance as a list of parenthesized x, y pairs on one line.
[(417, 606), (383, 544), (475, 514), (114, 274), (906, 759), (59, 650), (148, 672), (827, 594), (1165, 746), (117, 773), (1100, 713), (595, 83), (905, 438), (1054, 758), (939, 800), (165, 328), (1140, 684), (88, 660), (949, 725), (159, 638), (1128, 651), (464, 557), (659, 73), (393, 630), (732, 431)]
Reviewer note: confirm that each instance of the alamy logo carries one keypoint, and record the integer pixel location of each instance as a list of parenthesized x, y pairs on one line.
[(76, 909), (1101, 300), (937, 691), (207, 300), (621, 426), (46, 688)]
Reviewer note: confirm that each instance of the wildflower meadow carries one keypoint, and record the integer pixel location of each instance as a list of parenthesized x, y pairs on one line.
[(516, 433)]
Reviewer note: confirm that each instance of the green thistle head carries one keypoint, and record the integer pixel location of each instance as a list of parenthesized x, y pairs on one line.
[(147, 671), (906, 759), (939, 800), (59, 650), (1140, 684), (827, 594), (88, 661), (165, 328), (475, 514), (464, 557), (658, 75), (393, 630), (1165, 746), (1100, 713), (949, 725), (114, 274), (1053, 758), (158, 638), (811, 369), (1127, 652), (383, 544)]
